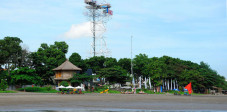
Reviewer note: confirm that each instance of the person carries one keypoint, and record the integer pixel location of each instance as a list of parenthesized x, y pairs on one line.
[(141, 92), (80, 92), (74, 90), (92, 89)]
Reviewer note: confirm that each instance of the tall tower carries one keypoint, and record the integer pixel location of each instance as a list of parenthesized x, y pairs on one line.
[(98, 14)]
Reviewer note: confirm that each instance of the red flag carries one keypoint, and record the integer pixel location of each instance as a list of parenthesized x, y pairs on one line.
[(110, 12), (189, 88)]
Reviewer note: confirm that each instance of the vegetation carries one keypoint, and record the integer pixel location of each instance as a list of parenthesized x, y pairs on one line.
[(38, 89), (24, 75), (64, 83), (8, 92), (77, 79), (114, 75), (20, 67), (47, 58), (3, 85)]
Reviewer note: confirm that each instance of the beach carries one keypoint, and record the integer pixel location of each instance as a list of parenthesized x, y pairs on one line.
[(50, 101)]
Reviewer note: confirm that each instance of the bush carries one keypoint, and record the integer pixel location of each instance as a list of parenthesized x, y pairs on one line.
[(8, 92), (3, 85), (64, 83), (37, 89), (48, 88)]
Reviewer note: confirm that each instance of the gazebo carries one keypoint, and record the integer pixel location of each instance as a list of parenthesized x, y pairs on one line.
[(65, 71)]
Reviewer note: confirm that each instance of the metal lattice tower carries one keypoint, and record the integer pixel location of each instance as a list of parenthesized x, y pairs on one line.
[(98, 14)]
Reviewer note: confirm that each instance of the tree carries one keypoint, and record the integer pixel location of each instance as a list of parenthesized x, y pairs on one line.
[(114, 75), (10, 50), (24, 75), (80, 78), (110, 62), (64, 83), (47, 58), (75, 59), (125, 63), (95, 63), (3, 85), (139, 63)]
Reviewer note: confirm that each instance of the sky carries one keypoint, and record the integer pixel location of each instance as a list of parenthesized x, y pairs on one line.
[(194, 30)]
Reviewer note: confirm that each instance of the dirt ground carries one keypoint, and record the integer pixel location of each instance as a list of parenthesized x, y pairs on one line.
[(44, 101)]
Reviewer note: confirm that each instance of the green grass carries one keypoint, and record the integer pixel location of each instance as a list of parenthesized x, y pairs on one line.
[(8, 92), (38, 89), (51, 91), (182, 93)]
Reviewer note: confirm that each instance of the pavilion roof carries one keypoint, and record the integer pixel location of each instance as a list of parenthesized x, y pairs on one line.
[(67, 65)]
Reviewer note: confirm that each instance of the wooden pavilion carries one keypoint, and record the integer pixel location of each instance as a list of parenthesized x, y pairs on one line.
[(65, 71)]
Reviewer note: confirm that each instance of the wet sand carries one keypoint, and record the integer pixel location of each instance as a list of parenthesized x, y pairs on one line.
[(41, 101)]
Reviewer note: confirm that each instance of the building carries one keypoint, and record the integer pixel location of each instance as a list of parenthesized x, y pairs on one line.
[(65, 71)]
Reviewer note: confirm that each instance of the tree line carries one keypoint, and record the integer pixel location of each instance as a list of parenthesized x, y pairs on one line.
[(20, 66)]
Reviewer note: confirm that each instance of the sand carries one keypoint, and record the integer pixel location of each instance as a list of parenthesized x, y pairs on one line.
[(44, 101)]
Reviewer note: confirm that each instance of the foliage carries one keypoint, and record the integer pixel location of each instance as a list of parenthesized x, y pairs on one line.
[(75, 59), (3, 85), (80, 78), (10, 52), (95, 63), (110, 62), (24, 75), (38, 89), (64, 83), (201, 76), (114, 75), (8, 92), (125, 63), (139, 63), (47, 58)]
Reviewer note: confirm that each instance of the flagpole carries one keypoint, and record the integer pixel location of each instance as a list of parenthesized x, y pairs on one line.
[(133, 80)]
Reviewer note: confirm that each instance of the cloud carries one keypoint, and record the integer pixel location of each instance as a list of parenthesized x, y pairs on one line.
[(78, 31), (84, 30)]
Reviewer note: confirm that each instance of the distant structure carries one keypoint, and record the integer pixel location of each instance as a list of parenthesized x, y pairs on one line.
[(65, 71), (98, 14)]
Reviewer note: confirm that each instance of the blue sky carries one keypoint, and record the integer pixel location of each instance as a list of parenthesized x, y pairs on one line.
[(192, 30)]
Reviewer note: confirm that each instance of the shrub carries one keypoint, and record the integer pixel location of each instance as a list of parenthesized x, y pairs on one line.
[(3, 85), (48, 88), (64, 83)]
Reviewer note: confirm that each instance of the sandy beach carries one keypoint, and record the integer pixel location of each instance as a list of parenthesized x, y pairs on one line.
[(44, 101)]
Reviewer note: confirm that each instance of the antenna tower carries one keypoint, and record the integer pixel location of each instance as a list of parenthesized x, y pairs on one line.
[(98, 14)]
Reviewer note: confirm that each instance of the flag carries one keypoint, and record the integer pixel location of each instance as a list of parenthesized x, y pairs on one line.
[(189, 88), (110, 12)]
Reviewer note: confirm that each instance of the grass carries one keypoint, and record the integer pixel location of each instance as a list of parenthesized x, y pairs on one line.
[(51, 91), (182, 93), (8, 92), (38, 89)]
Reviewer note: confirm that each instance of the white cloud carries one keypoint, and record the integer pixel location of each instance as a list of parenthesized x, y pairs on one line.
[(78, 31), (84, 30)]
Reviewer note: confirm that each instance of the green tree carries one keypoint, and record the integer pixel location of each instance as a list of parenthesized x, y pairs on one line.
[(10, 51), (24, 75), (110, 62), (139, 63), (114, 75), (47, 58), (125, 63), (3, 85), (80, 78), (64, 83), (75, 59), (95, 63)]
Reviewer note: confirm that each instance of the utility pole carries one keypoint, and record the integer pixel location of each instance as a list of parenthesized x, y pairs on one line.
[(133, 80)]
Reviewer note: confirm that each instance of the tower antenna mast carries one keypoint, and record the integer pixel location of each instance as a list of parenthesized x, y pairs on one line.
[(98, 14)]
